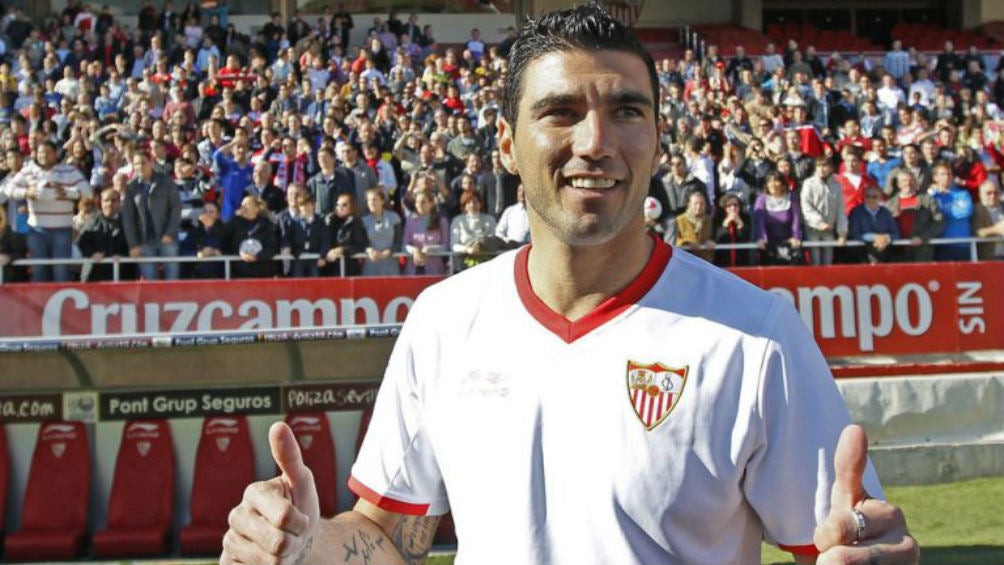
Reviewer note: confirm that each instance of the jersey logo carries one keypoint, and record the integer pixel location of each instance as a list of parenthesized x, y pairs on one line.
[(654, 390)]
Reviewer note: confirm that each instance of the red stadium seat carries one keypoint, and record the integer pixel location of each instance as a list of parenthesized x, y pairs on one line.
[(4, 478), (313, 433), (141, 507), (224, 467), (54, 513)]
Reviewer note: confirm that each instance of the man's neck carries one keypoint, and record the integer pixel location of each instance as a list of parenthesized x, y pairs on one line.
[(573, 281)]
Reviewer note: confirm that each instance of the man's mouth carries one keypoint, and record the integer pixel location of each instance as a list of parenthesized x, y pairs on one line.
[(592, 183)]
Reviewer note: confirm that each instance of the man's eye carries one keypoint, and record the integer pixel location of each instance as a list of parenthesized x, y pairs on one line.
[(630, 112)]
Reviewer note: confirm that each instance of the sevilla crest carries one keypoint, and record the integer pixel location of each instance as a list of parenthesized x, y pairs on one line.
[(654, 390)]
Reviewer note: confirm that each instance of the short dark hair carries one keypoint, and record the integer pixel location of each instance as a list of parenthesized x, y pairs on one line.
[(586, 27)]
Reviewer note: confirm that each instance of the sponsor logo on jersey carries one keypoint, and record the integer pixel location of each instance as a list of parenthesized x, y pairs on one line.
[(654, 390)]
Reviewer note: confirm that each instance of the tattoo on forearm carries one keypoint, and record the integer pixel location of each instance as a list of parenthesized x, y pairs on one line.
[(413, 537), (364, 546), (302, 557)]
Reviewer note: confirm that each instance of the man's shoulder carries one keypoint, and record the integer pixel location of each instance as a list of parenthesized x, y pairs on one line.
[(461, 295)]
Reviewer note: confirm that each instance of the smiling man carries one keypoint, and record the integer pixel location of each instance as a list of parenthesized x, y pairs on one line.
[(597, 397)]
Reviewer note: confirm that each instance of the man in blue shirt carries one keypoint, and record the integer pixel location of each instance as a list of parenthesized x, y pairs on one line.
[(234, 173), (957, 206)]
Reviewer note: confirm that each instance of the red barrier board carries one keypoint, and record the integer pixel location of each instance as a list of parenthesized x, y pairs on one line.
[(853, 310)]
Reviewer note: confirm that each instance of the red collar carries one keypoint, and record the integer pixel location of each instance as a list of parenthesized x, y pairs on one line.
[(569, 330)]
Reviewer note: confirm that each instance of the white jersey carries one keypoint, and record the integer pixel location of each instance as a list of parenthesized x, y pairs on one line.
[(680, 422)]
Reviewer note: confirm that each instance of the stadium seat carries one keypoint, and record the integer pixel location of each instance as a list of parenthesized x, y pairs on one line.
[(224, 467), (313, 433), (55, 509), (4, 478), (141, 506)]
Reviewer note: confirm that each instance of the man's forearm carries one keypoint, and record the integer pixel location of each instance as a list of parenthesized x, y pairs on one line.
[(352, 539)]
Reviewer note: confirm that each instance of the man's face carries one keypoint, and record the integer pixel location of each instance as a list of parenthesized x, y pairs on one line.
[(45, 156), (110, 203), (990, 195), (585, 144), (141, 165)]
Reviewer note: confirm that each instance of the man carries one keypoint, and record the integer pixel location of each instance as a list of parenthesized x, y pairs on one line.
[(151, 217), (103, 238), (580, 130), (896, 61), (262, 187), (988, 221), (235, 173), (331, 181), (873, 224), (52, 190), (823, 211), (957, 206), (363, 177)]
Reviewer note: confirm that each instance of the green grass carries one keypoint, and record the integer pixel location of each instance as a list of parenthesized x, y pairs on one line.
[(956, 524)]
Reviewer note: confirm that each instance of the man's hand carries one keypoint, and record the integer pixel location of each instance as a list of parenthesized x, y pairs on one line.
[(135, 252), (275, 522), (885, 539)]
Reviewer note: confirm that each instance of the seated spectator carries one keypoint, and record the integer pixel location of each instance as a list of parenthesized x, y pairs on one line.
[(472, 232), (425, 234), (514, 226), (777, 224), (732, 227), (251, 235), (873, 224), (210, 238), (384, 231), (346, 236), (308, 234), (957, 207), (693, 227), (988, 221), (917, 217)]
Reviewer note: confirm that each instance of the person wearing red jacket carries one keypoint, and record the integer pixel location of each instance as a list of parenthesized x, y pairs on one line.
[(852, 181), (969, 171)]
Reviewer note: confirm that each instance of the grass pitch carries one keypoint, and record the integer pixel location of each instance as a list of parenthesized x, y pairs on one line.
[(956, 523)]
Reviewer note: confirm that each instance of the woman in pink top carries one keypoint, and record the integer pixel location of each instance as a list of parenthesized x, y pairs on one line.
[(425, 232)]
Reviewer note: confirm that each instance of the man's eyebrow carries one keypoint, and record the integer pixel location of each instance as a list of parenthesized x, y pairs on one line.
[(627, 97)]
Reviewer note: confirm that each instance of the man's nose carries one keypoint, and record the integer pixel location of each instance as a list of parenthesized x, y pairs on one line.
[(594, 137)]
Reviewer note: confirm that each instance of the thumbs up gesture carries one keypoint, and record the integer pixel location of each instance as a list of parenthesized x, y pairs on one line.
[(860, 529), (275, 522)]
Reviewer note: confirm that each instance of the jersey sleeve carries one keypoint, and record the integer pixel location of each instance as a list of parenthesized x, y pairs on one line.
[(801, 415), (397, 468)]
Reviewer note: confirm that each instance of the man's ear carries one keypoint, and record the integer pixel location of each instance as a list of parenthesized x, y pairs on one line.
[(507, 146)]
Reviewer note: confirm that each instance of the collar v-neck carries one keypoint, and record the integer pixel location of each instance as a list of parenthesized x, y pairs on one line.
[(569, 330)]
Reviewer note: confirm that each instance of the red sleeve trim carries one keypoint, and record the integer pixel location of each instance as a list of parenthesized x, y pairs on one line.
[(387, 503), (800, 549)]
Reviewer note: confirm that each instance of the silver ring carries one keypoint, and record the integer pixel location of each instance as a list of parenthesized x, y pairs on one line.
[(859, 520)]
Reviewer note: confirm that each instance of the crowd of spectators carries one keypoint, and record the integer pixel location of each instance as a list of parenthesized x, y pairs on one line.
[(185, 137)]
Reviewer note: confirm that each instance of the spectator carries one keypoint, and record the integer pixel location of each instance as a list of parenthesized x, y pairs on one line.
[(103, 238), (384, 232), (912, 163), (917, 218), (988, 222), (210, 238), (252, 236), (51, 189), (853, 181), (732, 228), (777, 221), (822, 209), (363, 177), (873, 224), (307, 234), (957, 206), (896, 61), (514, 226), (472, 231), (426, 235), (262, 187), (12, 248), (347, 237), (151, 218), (693, 227), (678, 183), (235, 174), (329, 182)]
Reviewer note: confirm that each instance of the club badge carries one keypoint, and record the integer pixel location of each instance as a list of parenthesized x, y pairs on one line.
[(654, 390)]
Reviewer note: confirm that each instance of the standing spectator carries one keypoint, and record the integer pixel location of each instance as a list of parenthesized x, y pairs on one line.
[(209, 238), (823, 211), (252, 236), (988, 221), (425, 233), (363, 176), (262, 187), (384, 231), (873, 224), (471, 229), (330, 181), (235, 173), (896, 61), (52, 190), (103, 238), (347, 237), (957, 206), (881, 164), (151, 218), (913, 163), (514, 224), (852, 181), (678, 183), (306, 234), (777, 224), (12, 248), (917, 217), (693, 227), (734, 228)]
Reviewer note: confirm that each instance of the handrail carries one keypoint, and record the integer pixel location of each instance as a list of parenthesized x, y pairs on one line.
[(117, 261)]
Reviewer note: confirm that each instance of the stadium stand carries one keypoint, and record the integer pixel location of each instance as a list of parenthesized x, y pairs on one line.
[(141, 507), (55, 510), (313, 433), (224, 466)]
